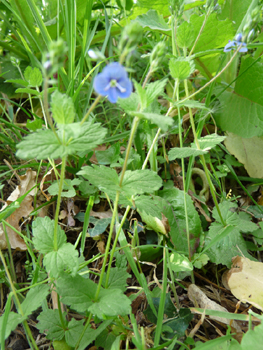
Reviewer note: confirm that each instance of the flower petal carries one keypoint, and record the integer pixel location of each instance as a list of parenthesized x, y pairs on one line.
[(231, 45), (113, 94), (127, 85), (115, 71), (243, 49), (100, 83)]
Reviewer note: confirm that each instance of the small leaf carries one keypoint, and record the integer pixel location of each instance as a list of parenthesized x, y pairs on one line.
[(68, 189), (66, 257), (18, 81), (142, 95), (33, 76), (117, 279), (161, 121), (139, 182), (49, 322), (152, 20), (109, 156), (43, 235), (180, 262), (12, 322), (100, 226), (153, 90), (34, 125), (62, 107), (181, 67), (184, 152), (27, 91), (129, 104), (34, 298)]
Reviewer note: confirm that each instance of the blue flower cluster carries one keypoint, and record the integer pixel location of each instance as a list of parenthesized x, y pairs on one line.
[(113, 82), (234, 44)]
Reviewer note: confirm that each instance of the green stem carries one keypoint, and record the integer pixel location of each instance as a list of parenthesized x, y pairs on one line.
[(84, 330), (61, 181), (94, 104)]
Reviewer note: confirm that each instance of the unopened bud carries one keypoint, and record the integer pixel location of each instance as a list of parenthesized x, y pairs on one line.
[(238, 37), (157, 55), (131, 35)]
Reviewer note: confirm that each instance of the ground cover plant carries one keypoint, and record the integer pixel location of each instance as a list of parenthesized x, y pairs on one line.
[(131, 173)]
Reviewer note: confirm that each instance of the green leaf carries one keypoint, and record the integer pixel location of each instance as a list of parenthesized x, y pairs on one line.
[(12, 322), (142, 95), (27, 91), (185, 35), (252, 339), (72, 138), (235, 10), (66, 257), (43, 235), (68, 189), (149, 205), (117, 279), (184, 152), (106, 179), (161, 121), (34, 125), (100, 226), (33, 76), (210, 141), (180, 262), (152, 20), (139, 182), (62, 107), (77, 292), (110, 155), (247, 151), (18, 81), (49, 322), (153, 90), (129, 104), (181, 67), (111, 302), (34, 298)]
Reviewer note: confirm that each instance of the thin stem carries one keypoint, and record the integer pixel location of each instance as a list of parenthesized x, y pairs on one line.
[(61, 181), (94, 104), (199, 34)]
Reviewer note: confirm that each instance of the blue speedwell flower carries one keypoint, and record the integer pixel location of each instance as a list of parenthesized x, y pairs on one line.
[(234, 44), (113, 82)]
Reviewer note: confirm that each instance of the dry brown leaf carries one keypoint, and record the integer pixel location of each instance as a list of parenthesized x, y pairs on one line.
[(245, 280), (196, 295), (27, 181)]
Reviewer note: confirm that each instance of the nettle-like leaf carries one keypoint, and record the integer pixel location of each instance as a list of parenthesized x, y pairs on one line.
[(185, 35), (181, 67), (152, 20), (134, 182), (241, 111), (72, 138), (142, 95), (129, 104), (118, 278), (43, 235), (231, 244), (33, 76), (153, 90), (62, 107), (111, 302), (68, 189), (49, 322)]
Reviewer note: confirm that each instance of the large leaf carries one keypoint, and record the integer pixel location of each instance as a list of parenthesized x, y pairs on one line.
[(34, 298), (73, 138), (152, 20), (49, 322), (241, 112), (139, 182), (247, 151), (117, 279), (62, 107)]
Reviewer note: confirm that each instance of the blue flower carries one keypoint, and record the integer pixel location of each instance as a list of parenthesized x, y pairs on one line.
[(234, 44), (113, 82)]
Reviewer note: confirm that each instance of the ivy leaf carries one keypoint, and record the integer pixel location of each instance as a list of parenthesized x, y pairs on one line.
[(33, 76), (77, 292), (66, 257), (181, 67), (62, 107), (152, 20), (111, 302), (43, 235), (71, 139), (117, 279), (34, 298), (49, 322)]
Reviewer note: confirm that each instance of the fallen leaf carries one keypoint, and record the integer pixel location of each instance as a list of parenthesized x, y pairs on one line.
[(197, 296), (245, 280), (27, 181)]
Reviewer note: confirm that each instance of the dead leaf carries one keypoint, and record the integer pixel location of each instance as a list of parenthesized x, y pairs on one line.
[(101, 247), (197, 296), (27, 181), (245, 280)]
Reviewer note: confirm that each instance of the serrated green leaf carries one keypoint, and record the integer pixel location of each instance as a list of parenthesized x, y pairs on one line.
[(27, 91), (50, 323), (77, 292), (72, 138), (210, 141), (111, 302), (117, 279), (161, 121), (12, 322), (129, 104), (152, 20), (62, 107), (139, 182), (34, 298), (106, 179), (109, 156), (33, 76), (142, 95), (43, 235), (68, 189), (149, 205), (181, 67), (66, 257), (153, 90), (185, 35)]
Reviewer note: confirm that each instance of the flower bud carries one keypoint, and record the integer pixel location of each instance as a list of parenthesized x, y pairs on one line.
[(239, 37), (96, 55), (131, 35), (251, 35), (157, 55)]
